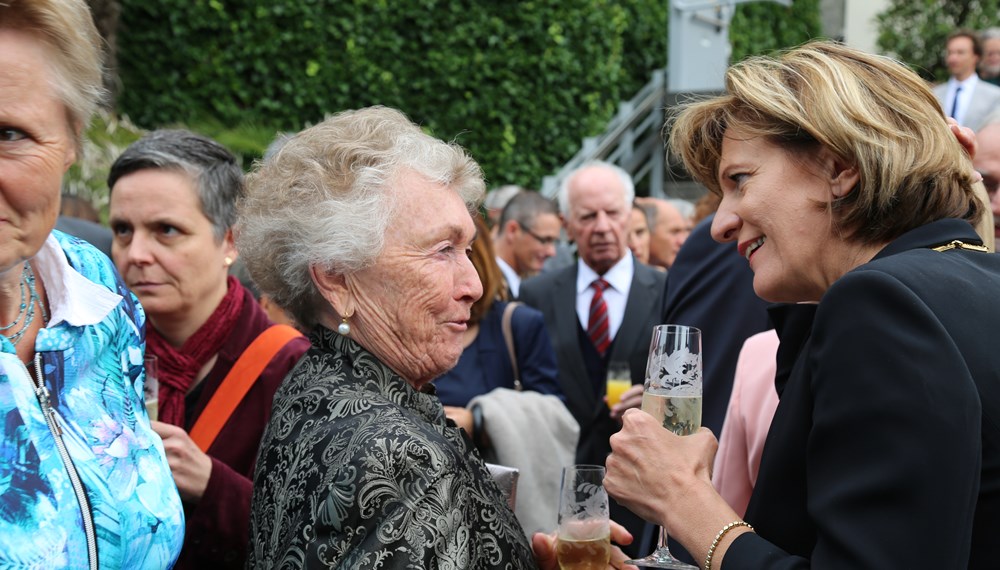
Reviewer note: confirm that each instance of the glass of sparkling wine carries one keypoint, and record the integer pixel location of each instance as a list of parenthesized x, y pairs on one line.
[(151, 388), (672, 394), (583, 541), (619, 380)]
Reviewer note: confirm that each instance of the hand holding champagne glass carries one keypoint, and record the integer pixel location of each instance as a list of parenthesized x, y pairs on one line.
[(672, 395), (583, 541)]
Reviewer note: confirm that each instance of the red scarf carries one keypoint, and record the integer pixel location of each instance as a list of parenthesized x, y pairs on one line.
[(178, 367)]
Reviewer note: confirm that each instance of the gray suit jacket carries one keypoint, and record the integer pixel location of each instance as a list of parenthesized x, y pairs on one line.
[(554, 294), (985, 100)]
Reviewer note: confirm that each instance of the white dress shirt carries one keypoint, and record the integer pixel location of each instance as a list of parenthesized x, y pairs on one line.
[(619, 277), (513, 279), (964, 96)]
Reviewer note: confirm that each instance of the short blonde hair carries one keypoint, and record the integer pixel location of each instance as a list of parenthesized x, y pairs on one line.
[(870, 111), (327, 197), (67, 28)]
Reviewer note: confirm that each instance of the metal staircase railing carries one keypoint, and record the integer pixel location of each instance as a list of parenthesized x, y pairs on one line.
[(633, 140)]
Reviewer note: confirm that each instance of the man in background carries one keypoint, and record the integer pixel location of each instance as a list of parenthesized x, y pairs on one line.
[(526, 236), (599, 310), (669, 229), (965, 97), (989, 67), (987, 162), (496, 200)]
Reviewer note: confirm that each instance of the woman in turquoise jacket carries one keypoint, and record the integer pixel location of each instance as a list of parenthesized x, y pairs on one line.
[(84, 482)]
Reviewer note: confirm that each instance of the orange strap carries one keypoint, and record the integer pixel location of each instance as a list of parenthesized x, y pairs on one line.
[(238, 382)]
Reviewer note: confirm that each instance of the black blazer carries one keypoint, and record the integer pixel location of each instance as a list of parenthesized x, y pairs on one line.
[(554, 294), (884, 451)]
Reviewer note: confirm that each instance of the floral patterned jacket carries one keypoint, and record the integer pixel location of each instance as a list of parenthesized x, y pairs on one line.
[(359, 470), (81, 471)]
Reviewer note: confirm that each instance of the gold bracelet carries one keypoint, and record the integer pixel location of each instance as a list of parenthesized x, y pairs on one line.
[(718, 539)]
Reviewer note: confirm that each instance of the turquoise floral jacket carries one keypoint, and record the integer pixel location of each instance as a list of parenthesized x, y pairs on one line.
[(84, 482)]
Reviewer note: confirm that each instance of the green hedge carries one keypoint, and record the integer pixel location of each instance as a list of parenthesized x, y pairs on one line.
[(517, 83), (762, 27)]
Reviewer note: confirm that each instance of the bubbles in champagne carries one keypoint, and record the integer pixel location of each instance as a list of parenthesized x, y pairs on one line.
[(592, 554), (679, 414)]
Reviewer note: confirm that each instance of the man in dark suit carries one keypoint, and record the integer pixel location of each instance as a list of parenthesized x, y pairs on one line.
[(593, 324)]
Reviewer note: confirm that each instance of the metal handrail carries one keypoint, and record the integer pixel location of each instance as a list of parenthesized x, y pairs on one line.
[(637, 125)]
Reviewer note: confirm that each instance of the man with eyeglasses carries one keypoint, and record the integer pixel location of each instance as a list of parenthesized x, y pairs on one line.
[(987, 162), (526, 236)]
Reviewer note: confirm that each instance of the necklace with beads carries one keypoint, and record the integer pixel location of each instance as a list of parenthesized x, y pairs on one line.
[(26, 312)]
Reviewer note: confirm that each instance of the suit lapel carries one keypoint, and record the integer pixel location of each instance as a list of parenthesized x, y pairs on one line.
[(642, 297), (574, 380)]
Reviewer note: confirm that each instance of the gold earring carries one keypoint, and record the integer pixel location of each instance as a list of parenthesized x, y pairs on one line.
[(228, 261)]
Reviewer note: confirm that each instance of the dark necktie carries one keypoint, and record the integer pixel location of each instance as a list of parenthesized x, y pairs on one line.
[(954, 103), (597, 326)]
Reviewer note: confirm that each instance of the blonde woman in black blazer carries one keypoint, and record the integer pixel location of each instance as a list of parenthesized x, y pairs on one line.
[(844, 187)]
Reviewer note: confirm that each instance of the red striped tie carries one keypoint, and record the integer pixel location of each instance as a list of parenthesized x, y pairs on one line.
[(597, 327)]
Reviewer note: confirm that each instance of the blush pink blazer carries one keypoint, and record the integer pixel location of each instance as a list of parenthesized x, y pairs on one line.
[(748, 418)]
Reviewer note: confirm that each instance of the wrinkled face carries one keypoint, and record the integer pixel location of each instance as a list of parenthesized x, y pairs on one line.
[(987, 162), (598, 214), (36, 148), (668, 236), (774, 205), (960, 58), (165, 248), (532, 245), (412, 306), (991, 57), (638, 235)]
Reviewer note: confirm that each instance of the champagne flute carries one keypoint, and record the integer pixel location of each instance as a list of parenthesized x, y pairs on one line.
[(151, 387), (619, 381), (672, 395), (583, 541)]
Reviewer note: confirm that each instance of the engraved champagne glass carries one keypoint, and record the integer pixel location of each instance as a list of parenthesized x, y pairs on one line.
[(672, 394), (583, 541)]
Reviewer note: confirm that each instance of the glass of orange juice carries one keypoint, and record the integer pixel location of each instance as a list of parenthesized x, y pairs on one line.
[(619, 380)]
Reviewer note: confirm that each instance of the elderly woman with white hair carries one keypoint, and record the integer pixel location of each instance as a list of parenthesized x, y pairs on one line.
[(360, 226)]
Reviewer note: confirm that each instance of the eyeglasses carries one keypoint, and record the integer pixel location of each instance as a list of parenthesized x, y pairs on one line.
[(546, 241)]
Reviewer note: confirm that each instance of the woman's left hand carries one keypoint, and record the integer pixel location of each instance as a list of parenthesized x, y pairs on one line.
[(631, 398), (190, 466), (544, 547)]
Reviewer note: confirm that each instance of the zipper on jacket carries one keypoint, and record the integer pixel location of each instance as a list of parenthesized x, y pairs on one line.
[(42, 393)]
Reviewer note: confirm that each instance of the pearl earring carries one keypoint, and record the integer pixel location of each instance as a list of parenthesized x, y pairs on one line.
[(228, 261), (344, 328)]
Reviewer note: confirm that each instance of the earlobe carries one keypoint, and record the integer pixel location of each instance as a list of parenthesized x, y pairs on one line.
[(229, 247)]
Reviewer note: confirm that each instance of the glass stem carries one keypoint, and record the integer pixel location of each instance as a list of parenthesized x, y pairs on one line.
[(663, 539)]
